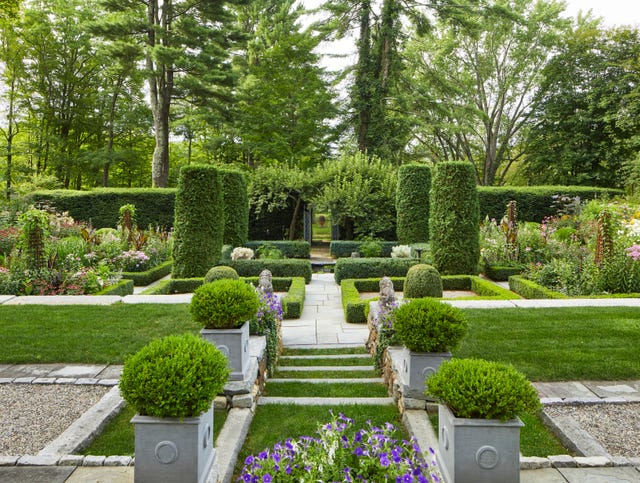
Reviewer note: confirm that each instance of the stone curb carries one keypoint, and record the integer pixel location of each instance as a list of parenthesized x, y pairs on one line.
[(81, 381)]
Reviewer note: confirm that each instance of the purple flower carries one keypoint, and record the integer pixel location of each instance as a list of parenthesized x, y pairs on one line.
[(384, 460)]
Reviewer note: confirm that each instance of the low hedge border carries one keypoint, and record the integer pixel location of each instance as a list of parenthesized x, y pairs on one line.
[(344, 248), (122, 288), (290, 249), (278, 268), (531, 290), (356, 310), (142, 279), (347, 268), (501, 273), (292, 302)]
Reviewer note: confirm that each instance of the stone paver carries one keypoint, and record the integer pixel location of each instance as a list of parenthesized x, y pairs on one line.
[(35, 474), (623, 474), (102, 474)]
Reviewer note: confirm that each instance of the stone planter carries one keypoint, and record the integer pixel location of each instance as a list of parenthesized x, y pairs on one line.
[(234, 344), (169, 449), (478, 450), (417, 367)]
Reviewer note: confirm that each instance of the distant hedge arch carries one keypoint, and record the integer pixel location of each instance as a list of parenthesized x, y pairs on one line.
[(412, 203), (199, 221), (455, 219)]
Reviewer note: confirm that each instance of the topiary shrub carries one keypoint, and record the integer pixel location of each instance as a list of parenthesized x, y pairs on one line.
[(427, 325), (475, 388), (224, 304), (219, 273), (454, 222), (199, 221), (422, 281), (236, 207), (412, 203), (371, 249), (174, 377)]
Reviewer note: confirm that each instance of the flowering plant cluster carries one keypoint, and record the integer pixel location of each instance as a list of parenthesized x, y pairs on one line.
[(341, 453), (633, 252), (267, 322), (133, 261), (242, 253), (401, 251)]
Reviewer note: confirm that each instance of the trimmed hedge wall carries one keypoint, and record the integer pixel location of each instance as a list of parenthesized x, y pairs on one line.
[(236, 207), (501, 273), (141, 279), (454, 221), (293, 301), (531, 290), (356, 309), (290, 249), (372, 267), (100, 207), (279, 268), (122, 288), (534, 202), (412, 203), (344, 248), (199, 221)]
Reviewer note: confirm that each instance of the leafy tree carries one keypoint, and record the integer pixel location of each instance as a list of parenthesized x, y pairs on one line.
[(474, 84), (185, 45), (588, 116)]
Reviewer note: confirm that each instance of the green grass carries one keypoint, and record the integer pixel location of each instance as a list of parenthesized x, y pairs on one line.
[(325, 374), (324, 352), (117, 438), (560, 344), (275, 423), (326, 362), (298, 389), (86, 334), (535, 438)]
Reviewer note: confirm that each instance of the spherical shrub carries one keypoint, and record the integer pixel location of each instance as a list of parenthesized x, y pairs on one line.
[(427, 325), (474, 388), (224, 304), (174, 377), (219, 273), (422, 281)]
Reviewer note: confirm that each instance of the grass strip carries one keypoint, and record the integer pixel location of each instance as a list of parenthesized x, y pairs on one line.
[(284, 374), (117, 438), (300, 389), (325, 362), (276, 423)]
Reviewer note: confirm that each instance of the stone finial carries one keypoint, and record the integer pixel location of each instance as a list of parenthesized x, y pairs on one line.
[(265, 285), (387, 293)]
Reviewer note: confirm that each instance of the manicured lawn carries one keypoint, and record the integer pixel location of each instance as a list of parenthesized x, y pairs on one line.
[(562, 344), (86, 334), (117, 438), (298, 389)]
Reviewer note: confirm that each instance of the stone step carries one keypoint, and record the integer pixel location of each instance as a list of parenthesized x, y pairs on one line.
[(324, 368), (332, 356), (367, 380), (327, 401)]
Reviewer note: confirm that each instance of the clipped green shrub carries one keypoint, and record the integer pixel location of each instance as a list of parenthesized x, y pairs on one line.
[(220, 272), (344, 248), (141, 279), (224, 304), (454, 221), (422, 281), (501, 273), (427, 325), (372, 267), (122, 288), (371, 249), (199, 221), (531, 290), (293, 301), (289, 249), (475, 388), (174, 377), (236, 207), (278, 268), (412, 203)]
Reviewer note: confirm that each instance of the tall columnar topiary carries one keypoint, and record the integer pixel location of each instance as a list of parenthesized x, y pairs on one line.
[(199, 221), (454, 221), (236, 208), (412, 203)]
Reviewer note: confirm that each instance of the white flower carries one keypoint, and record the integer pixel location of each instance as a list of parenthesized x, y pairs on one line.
[(401, 251), (242, 253)]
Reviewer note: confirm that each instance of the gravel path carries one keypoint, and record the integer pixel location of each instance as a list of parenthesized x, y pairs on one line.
[(615, 426), (32, 415)]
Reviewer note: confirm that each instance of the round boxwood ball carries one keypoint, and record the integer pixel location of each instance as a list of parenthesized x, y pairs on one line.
[(219, 273), (428, 325), (422, 281), (224, 304), (174, 377)]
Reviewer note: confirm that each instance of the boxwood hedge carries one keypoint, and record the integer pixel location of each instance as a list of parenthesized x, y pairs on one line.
[(290, 249), (279, 268), (372, 267), (412, 203)]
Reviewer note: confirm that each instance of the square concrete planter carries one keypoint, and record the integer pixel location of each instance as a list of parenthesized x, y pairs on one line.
[(478, 450), (417, 367), (234, 344), (169, 449)]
